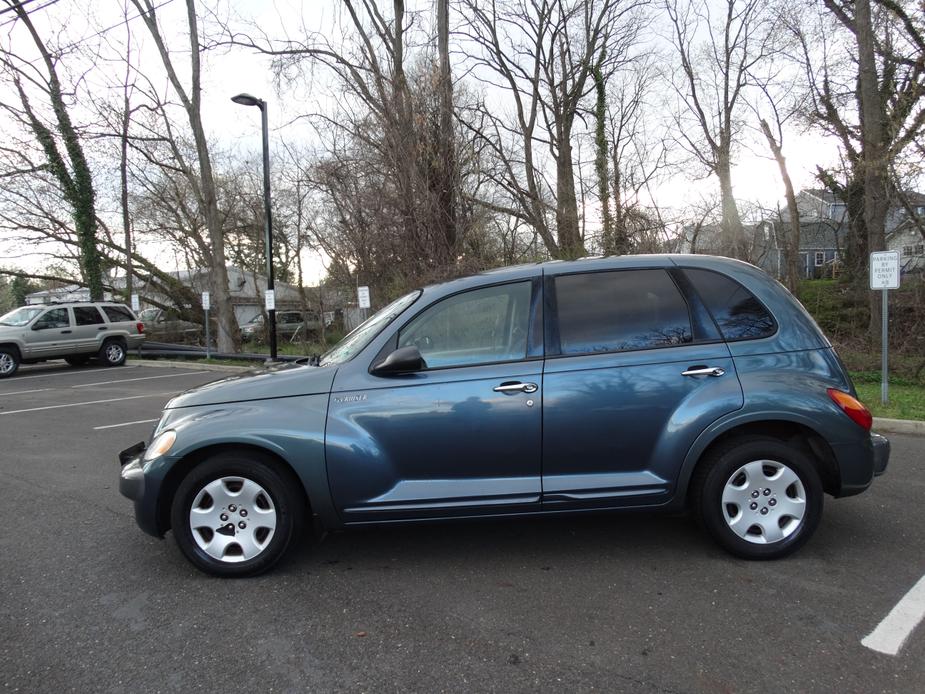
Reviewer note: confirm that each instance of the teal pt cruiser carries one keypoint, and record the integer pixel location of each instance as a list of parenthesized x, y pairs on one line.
[(664, 382)]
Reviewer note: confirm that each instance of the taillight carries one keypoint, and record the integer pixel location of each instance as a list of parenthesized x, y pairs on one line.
[(852, 407), (141, 328)]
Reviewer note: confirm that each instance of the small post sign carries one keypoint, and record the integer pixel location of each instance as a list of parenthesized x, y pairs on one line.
[(206, 304), (884, 275), (269, 298), (363, 297), (136, 304)]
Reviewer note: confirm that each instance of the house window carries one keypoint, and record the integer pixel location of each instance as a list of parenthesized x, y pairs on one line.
[(820, 258), (907, 250), (920, 249)]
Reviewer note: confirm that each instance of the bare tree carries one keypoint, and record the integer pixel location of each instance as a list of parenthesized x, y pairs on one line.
[(544, 53), (714, 77), (59, 141), (200, 178)]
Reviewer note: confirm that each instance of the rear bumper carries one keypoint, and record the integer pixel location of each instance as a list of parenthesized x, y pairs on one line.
[(858, 464)]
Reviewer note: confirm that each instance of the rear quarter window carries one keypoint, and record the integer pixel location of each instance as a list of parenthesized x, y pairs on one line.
[(738, 314), (118, 314)]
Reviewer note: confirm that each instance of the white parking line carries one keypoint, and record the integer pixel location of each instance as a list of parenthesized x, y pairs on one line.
[(898, 625), (143, 378), (125, 424), (23, 392), (91, 402), (67, 371)]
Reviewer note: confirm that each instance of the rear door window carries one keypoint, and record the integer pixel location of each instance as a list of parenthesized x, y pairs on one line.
[(738, 314), (620, 311), (87, 315)]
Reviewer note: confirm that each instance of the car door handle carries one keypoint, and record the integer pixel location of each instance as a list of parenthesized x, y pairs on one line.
[(65, 332), (704, 371), (102, 327), (516, 387)]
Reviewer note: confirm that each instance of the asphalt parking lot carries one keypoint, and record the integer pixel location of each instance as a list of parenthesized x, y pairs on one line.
[(633, 603)]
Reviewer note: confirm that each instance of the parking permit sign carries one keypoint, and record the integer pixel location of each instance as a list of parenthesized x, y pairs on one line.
[(270, 300), (884, 270), (363, 297), (205, 301)]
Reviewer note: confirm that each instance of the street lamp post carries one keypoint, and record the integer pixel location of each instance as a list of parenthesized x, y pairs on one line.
[(248, 100)]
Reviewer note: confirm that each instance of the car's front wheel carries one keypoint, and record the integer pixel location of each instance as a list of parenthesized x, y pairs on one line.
[(9, 361), (236, 514), (759, 497)]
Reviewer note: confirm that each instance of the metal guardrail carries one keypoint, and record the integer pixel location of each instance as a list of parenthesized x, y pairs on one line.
[(168, 350)]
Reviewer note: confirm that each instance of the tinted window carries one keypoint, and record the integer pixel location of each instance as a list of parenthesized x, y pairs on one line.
[(739, 315), (117, 314), (618, 311), (476, 327), (55, 318), (87, 315)]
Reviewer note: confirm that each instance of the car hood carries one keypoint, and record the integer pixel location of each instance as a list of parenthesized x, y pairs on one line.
[(276, 382)]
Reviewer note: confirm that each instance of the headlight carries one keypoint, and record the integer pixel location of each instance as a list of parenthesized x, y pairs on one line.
[(161, 444)]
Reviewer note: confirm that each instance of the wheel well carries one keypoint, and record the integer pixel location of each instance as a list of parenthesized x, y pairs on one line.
[(812, 444), (181, 468), (12, 346)]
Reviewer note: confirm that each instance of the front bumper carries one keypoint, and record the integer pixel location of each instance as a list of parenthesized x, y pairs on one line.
[(132, 486)]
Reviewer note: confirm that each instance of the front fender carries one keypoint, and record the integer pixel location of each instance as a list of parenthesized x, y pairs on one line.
[(291, 428)]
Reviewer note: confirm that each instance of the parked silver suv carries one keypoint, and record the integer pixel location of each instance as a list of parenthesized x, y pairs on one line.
[(75, 331)]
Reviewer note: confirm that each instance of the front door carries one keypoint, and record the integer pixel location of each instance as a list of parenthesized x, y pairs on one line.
[(49, 334), (460, 437), (634, 374)]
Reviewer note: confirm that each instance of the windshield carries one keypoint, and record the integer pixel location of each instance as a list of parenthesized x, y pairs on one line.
[(367, 331), (148, 315), (21, 316)]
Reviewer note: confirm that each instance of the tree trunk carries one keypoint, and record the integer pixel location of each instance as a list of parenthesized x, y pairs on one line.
[(601, 162), (792, 242), (873, 149), (570, 244), (446, 195), (732, 231)]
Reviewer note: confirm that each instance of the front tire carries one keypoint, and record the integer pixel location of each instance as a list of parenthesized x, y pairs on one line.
[(236, 514), (9, 361), (112, 353), (758, 497)]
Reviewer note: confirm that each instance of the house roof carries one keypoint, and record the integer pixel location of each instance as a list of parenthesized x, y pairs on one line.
[(827, 196), (818, 233)]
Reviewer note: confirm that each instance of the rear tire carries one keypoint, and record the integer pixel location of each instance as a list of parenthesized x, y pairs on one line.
[(758, 497), (9, 361), (226, 492), (112, 353)]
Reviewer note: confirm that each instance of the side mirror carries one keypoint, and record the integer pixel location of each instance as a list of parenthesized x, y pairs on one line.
[(402, 360)]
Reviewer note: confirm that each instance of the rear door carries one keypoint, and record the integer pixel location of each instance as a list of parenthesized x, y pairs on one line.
[(635, 371), (88, 326)]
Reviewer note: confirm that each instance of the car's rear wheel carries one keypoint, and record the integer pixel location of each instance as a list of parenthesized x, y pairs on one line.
[(77, 361), (759, 497), (9, 361), (112, 353), (236, 514)]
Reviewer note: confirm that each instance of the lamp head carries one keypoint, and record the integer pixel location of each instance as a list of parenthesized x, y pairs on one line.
[(247, 100)]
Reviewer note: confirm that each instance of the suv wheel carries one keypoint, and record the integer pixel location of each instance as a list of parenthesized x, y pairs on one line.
[(236, 515), (112, 353), (759, 497), (9, 361)]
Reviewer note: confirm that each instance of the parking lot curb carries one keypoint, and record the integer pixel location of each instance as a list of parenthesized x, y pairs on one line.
[(188, 363), (899, 426)]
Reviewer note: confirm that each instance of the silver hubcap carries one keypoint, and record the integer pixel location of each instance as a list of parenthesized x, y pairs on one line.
[(764, 502), (114, 352), (7, 364), (233, 519)]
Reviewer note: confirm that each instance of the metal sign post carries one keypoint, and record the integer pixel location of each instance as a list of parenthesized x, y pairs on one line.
[(884, 275), (206, 300)]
